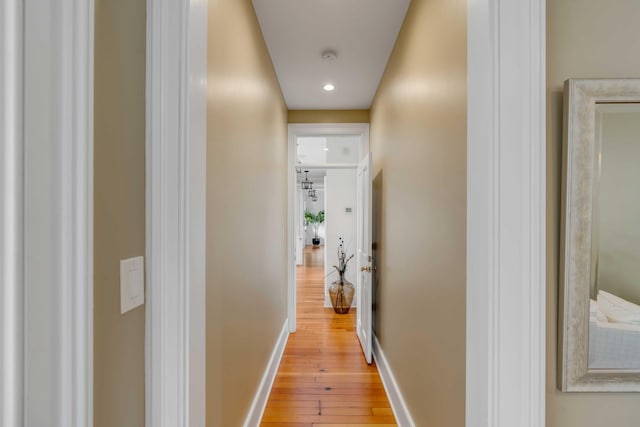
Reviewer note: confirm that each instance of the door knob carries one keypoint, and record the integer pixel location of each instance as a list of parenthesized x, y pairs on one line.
[(367, 268)]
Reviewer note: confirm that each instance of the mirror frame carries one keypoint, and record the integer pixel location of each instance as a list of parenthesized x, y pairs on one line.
[(578, 192)]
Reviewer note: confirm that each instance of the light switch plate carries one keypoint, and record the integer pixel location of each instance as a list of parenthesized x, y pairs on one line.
[(131, 283)]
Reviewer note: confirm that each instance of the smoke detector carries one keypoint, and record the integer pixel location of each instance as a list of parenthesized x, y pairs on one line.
[(329, 55)]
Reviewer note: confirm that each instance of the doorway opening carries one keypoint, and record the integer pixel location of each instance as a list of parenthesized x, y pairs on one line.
[(326, 177), (310, 218), (326, 211), (326, 373)]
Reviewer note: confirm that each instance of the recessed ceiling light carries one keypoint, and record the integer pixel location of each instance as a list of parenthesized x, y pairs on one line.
[(328, 87), (326, 149)]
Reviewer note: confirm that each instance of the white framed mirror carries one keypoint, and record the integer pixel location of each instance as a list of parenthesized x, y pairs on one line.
[(599, 298)]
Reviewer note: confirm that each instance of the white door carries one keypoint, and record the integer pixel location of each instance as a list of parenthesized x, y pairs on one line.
[(300, 207), (363, 291)]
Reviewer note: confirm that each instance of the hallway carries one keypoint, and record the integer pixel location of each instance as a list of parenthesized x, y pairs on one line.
[(323, 379)]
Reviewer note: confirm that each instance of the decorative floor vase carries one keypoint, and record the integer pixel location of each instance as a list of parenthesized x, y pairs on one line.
[(341, 294)]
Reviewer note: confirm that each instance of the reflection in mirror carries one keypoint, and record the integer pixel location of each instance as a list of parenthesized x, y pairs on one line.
[(614, 327)]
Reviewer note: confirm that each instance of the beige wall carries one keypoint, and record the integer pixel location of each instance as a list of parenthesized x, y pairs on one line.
[(328, 116), (585, 38), (418, 136), (246, 210), (119, 203)]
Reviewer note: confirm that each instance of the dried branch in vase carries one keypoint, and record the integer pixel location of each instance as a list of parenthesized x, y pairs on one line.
[(343, 261)]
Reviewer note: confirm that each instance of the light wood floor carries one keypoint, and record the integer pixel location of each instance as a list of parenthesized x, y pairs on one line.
[(323, 379)]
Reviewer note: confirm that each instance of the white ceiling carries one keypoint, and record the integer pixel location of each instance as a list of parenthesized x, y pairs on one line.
[(361, 32)]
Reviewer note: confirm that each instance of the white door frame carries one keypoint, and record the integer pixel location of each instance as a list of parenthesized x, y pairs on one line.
[(11, 215), (506, 202), (176, 178), (296, 131), (46, 178)]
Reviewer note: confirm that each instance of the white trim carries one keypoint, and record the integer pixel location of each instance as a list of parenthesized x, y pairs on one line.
[(11, 215), (196, 172), (398, 405), (295, 131), (329, 129), (77, 228), (291, 232), (506, 214), (327, 300), (176, 165), (76, 139), (58, 212), (261, 397), (328, 166)]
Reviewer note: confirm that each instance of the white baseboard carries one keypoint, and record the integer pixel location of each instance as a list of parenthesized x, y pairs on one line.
[(399, 407), (327, 302), (262, 394)]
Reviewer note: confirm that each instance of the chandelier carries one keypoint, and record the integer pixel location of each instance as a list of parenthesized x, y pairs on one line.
[(306, 184)]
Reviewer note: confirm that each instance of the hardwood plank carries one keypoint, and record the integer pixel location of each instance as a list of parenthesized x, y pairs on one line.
[(373, 404), (382, 411), (332, 419), (278, 424), (328, 397), (354, 425), (323, 379)]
